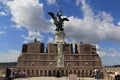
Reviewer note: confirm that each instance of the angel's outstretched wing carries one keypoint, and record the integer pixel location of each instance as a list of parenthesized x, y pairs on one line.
[(52, 15), (65, 19)]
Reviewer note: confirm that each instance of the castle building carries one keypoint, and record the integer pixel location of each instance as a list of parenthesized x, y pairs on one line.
[(58, 58), (38, 60)]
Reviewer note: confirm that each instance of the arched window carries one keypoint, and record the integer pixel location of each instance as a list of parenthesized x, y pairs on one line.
[(41, 72), (66, 73), (49, 73), (28, 72), (45, 73), (70, 72), (82, 72), (62, 72), (32, 72), (54, 72), (74, 71), (79, 73), (86, 72), (91, 73), (37, 73)]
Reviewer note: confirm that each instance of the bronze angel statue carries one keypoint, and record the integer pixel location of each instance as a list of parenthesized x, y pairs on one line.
[(58, 20)]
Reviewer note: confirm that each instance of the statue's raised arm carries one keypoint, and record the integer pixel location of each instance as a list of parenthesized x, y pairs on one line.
[(58, 20)]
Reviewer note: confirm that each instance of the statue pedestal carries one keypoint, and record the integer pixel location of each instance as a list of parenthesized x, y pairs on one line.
[(59, 37)]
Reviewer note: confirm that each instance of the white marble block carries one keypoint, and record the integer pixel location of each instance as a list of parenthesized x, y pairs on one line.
[(59, 37)]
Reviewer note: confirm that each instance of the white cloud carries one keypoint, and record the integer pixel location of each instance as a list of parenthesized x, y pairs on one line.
[(2, 32), (2, 13), (28, 14), (118, 23), (78, 2), (10, 56), (107, 52), (51, 1), (92, 28), (32, 35), (102, 54), (50, 40), (70, 40)]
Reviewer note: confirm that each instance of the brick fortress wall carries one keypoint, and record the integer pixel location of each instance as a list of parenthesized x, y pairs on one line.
[(37, 60)]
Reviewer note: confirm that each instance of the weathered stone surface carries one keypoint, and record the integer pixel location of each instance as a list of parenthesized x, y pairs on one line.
[(60, 37), (52, 48), (37, 62)]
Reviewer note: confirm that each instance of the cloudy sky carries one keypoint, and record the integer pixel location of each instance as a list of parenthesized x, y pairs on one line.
[(91, 21)]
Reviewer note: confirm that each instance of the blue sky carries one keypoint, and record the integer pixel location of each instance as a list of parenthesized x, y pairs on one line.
[(91, 21)]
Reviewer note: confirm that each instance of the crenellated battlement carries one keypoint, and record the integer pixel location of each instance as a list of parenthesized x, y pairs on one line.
[(37, 47), (46, 59)]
